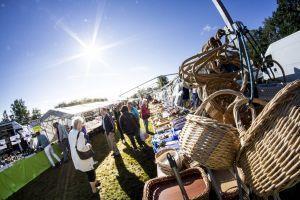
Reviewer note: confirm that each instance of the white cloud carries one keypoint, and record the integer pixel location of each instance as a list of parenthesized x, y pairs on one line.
[(208, 28)]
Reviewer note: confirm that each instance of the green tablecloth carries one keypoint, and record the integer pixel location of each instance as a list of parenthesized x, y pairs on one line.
[(22, 172)]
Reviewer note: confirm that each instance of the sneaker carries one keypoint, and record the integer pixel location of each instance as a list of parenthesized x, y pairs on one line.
[(97, 184), (97, 191), (117, 155)]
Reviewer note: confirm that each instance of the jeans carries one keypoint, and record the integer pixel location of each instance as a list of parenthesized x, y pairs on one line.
[(49, 153), (146, 125)]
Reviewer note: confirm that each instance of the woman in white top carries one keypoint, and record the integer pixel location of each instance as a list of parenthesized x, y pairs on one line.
[(87, 165)]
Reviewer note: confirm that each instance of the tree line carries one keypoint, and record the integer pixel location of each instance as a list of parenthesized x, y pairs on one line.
[(79, 102), (20, 113), (284, 21)]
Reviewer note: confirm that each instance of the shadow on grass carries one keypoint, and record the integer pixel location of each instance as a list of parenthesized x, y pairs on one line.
[(100, 147), (129, 182), (144, 157)]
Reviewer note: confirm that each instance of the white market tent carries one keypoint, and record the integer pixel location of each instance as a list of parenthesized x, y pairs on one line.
[(89, 111)]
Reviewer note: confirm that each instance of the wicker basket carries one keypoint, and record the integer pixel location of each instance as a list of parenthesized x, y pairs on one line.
[(207, 141), (162, 162), (212, 82), (247, 115), (225, 183), (270, 155), (195, 182)]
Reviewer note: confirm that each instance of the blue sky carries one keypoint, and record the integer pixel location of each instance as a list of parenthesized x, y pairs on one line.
[(45, 45)]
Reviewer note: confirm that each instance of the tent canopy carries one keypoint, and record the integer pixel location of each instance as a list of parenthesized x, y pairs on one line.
[(69, 112)]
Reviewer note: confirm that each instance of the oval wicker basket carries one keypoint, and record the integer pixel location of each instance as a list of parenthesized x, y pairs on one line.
[(154, 187), (207, 141), (162, 162), (270, 155)]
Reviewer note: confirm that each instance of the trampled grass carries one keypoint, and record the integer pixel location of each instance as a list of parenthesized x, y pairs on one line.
[(121, 178)]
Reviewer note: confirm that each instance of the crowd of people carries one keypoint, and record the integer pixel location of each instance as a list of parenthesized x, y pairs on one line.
[(123, 118)]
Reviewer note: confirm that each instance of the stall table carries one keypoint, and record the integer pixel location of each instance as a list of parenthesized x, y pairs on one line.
[(22, 172)]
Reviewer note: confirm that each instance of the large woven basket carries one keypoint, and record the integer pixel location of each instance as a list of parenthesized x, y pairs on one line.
[(270, 155), (157, 186), (207, 141)]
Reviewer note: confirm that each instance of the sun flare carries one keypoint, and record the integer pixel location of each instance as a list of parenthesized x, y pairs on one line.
[(91, 52)]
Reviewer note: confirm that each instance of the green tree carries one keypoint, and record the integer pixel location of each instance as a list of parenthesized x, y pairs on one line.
[(162, 81), (5, 117), (284, 21), (35, 114), (20, 112)]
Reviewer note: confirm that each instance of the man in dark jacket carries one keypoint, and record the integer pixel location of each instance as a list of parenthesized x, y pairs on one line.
[(109, 128), (129, 126)]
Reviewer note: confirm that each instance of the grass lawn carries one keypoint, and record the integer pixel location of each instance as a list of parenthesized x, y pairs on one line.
[(121, 178)]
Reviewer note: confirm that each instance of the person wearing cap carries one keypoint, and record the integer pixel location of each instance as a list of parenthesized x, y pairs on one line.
[(44, 143)]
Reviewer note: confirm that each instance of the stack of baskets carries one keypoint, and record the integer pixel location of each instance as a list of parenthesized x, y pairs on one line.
[(264, 140), (216, 136)]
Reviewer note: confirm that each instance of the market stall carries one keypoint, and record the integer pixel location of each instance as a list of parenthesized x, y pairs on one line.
[(21, 172), (90, 112), (242, 140)]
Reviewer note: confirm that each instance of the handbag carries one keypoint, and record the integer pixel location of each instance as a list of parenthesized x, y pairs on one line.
[(84, 155)]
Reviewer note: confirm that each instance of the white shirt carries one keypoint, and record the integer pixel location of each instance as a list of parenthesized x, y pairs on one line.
[(81, 165)]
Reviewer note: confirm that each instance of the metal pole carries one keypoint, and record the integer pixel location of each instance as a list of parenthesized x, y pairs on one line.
[(224, 14), (145, 83)]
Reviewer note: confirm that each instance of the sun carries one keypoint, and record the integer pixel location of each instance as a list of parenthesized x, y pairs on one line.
[(91, 52)]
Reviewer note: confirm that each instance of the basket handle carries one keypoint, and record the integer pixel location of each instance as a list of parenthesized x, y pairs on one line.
[(215, 94), (240, 127)]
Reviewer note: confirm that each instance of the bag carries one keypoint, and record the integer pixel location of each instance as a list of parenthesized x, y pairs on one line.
[(84, 155), (143, 136)]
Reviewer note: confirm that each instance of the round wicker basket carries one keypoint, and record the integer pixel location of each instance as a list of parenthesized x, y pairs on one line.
[(207, 141), (162, 162), (270, 153)]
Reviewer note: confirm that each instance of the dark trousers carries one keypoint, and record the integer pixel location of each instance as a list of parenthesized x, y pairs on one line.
[(146, 124), (120, 130), (64, 145), (136, 136)]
